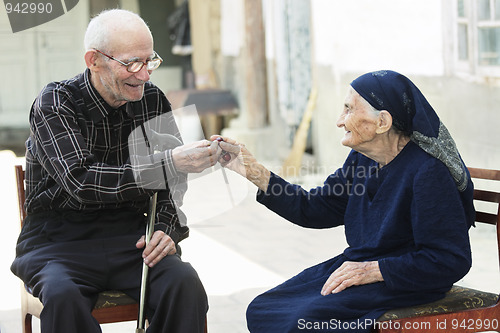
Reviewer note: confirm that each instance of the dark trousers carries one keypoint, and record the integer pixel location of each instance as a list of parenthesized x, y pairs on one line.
[(67, 277)]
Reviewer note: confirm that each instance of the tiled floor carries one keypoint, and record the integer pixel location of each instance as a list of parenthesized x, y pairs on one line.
[(238, 247)]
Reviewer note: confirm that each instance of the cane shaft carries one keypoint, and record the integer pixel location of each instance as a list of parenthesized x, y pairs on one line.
[(141, 320)]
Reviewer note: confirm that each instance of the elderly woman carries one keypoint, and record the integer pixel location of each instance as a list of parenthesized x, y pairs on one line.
[(405, 198)]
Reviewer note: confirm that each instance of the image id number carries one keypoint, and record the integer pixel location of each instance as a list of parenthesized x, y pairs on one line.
[(483, 324), (29, 8)]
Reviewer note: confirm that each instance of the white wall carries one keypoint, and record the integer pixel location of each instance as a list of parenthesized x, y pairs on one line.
[(231, 27), (409, 36), (365, 35), (34, 57), (413, 37)]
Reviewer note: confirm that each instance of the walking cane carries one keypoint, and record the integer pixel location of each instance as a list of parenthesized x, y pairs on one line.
[(157, 141), (141, 320)]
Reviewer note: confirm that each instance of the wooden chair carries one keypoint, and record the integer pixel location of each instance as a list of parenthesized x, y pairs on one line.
[(111, 307), (463, 310)]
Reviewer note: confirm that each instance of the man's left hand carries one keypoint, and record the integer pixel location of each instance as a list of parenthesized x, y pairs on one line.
[(352, 274), (160, 246)]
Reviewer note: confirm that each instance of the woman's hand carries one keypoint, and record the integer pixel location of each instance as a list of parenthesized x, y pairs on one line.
[(242, 161), (240, 158), (352, 274)]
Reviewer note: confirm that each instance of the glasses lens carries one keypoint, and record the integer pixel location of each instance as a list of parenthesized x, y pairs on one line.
[(153, 64), (134, 67)]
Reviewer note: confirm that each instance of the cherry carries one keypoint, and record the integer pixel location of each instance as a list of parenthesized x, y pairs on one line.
[(225, 155)]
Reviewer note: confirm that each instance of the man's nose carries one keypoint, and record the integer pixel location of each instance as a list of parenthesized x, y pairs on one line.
[(143, 74)]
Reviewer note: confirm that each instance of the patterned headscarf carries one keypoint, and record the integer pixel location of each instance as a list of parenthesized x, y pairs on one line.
[(413, 115)]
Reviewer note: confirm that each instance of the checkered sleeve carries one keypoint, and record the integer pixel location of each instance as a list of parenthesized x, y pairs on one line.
[(62, 150)]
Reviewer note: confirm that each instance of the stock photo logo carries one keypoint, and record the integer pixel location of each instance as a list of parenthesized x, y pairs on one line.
[(28, 14)]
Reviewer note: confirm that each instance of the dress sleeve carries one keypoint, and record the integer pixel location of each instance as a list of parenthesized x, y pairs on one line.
[(321, 207), (441, 254)]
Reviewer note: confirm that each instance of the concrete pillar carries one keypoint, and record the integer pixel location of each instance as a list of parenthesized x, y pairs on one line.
[(255, 65), (251, 127)]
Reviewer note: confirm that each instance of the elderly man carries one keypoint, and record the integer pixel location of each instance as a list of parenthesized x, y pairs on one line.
[(84, 230)]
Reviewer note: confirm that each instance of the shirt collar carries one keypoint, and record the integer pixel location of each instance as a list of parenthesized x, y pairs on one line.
[(96, 106)]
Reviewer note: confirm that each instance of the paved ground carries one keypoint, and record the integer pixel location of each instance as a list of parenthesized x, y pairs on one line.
[(238, 247)]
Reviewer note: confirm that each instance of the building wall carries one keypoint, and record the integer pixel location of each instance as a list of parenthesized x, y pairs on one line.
[(412, 37), (363, 35), (54, 51), (32, 58)]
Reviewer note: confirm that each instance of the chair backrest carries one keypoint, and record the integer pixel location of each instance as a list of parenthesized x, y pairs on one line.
[(20, 191), (493, 196)]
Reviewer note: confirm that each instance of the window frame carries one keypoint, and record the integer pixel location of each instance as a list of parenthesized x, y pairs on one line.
[(471, 65)]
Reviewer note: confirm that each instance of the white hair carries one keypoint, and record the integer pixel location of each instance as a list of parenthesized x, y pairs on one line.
[(102, 26), (368, 106)]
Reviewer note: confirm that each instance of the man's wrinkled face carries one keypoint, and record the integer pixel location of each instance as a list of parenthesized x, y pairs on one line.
[(359, 121), (117, 85)]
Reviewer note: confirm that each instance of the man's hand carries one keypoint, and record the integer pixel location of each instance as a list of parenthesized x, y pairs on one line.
[(160, 246), (196, 157), (352, 274)]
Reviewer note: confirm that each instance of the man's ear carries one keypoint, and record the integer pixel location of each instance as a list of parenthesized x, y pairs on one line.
[(91, 59), (384, 122)]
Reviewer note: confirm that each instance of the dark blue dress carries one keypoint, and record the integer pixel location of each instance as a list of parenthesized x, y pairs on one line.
[(408, 215)]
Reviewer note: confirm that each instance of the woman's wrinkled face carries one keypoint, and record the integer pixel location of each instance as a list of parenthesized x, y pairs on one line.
[(359, 121)]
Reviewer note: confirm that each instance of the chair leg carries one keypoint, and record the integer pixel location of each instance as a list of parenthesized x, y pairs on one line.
[(27, 328)]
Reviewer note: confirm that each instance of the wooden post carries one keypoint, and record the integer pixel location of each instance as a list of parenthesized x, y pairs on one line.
[(255, 66)]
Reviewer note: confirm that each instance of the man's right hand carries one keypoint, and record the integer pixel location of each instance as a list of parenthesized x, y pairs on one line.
[(196, 157)]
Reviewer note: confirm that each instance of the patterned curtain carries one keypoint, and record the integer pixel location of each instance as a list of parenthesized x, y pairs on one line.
[(293, 58)]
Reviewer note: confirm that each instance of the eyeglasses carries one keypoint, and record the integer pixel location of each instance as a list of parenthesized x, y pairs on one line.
[(136, 66)]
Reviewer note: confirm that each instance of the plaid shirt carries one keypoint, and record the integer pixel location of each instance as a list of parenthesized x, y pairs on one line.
[(77, 156)]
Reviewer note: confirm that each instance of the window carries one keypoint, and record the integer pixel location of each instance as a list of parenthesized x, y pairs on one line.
[(478, 36), (463, 49)]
